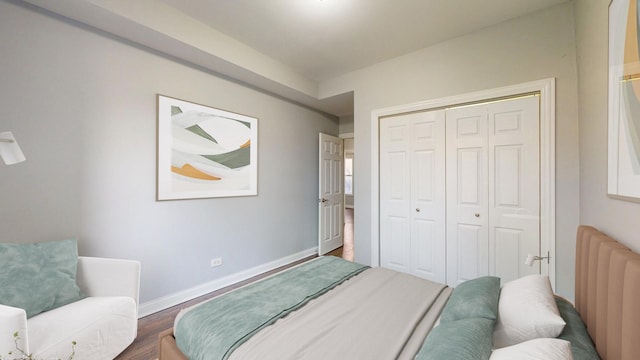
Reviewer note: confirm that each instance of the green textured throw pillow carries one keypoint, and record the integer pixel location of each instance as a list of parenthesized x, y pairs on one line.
[(466, 339), (477, 298), (39, 277), (575, 331)]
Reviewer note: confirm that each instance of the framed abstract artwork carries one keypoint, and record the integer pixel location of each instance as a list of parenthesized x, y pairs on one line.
[(624, 100), (204, 152)]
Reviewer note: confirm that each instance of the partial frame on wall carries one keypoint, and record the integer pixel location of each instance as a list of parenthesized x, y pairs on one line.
[(624, 101), (204, 152)]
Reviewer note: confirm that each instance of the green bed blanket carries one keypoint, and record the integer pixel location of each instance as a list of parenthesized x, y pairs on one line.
[(215, 328)]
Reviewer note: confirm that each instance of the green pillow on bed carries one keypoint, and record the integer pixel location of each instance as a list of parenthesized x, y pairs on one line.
[(576, 332), (466, 339), (477, 298)]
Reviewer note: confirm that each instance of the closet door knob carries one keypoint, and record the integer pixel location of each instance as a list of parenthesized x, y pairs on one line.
[(417, 209), (477, 215)]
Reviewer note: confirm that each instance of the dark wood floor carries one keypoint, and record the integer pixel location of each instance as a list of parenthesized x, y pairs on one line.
[(145, 347)]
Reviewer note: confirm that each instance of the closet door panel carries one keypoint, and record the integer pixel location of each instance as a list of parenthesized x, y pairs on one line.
[(395, 192), (508, 246), (514, 186), (427, 192), (467, 198), (412, 201), (467, 243), (426, 257)]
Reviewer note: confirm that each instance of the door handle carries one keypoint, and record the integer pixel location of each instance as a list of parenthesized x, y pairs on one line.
[(477, 215), (323, 200), (417, 209)]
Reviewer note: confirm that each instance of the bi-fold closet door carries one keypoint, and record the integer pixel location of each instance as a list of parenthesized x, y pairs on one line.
[(412, 198), (459, 191)]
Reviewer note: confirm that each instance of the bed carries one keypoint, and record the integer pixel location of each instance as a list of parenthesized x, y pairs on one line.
[(328, 308)]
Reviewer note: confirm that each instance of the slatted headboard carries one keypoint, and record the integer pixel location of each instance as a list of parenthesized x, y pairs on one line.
[(608, 294)]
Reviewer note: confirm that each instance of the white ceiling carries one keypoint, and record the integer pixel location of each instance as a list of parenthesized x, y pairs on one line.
[(322, 39), (288, 47)]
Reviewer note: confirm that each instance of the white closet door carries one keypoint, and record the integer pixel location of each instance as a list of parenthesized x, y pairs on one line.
[(412, 200), (467, 197), (493, 189), (428, 206), (514, 187), (395, 193)]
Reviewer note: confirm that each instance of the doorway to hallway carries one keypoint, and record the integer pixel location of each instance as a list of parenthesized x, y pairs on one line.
[(346, 250)]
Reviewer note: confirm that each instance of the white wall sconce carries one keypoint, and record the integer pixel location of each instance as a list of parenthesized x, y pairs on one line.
[(9, 149), (532, 258)]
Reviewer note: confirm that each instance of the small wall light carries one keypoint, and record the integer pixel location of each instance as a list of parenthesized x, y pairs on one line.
[(532, 258), (9, 149)]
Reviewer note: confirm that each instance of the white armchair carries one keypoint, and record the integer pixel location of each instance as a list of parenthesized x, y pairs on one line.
[(103, 324)]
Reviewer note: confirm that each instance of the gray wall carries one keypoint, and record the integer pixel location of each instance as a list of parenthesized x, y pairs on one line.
[(617, 218), (83, 108), (346, 124), (533, 47)]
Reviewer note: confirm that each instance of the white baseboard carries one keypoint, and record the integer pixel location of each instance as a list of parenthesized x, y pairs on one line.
[(159, 304)]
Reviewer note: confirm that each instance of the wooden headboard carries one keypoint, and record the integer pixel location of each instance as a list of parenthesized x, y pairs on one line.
[(608, 294)]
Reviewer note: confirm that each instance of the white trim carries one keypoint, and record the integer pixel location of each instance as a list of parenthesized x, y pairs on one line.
[(346, 135), (162, 303), (548, 174), (546, 88)]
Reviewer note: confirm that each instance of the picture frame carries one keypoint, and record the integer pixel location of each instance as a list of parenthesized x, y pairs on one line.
[(624, 101), (204, 152)]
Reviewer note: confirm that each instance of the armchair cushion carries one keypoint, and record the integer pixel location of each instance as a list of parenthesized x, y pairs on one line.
[(39, 277), (101, 326), (12, 320)]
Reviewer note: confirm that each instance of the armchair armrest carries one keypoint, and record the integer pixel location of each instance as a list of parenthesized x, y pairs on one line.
[(109, 277), (13, 319)]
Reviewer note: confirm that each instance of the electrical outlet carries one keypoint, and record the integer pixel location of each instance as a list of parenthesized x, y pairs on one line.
[(216, 262)]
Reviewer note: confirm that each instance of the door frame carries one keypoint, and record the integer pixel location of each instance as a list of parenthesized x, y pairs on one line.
[(546, 90), (343, 137)]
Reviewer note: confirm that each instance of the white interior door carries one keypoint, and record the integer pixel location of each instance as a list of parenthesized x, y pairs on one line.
[(493, 189), (412, 201), (330, 194)]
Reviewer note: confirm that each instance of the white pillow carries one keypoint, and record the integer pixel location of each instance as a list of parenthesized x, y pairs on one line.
[(526, 311), (548, 349)]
